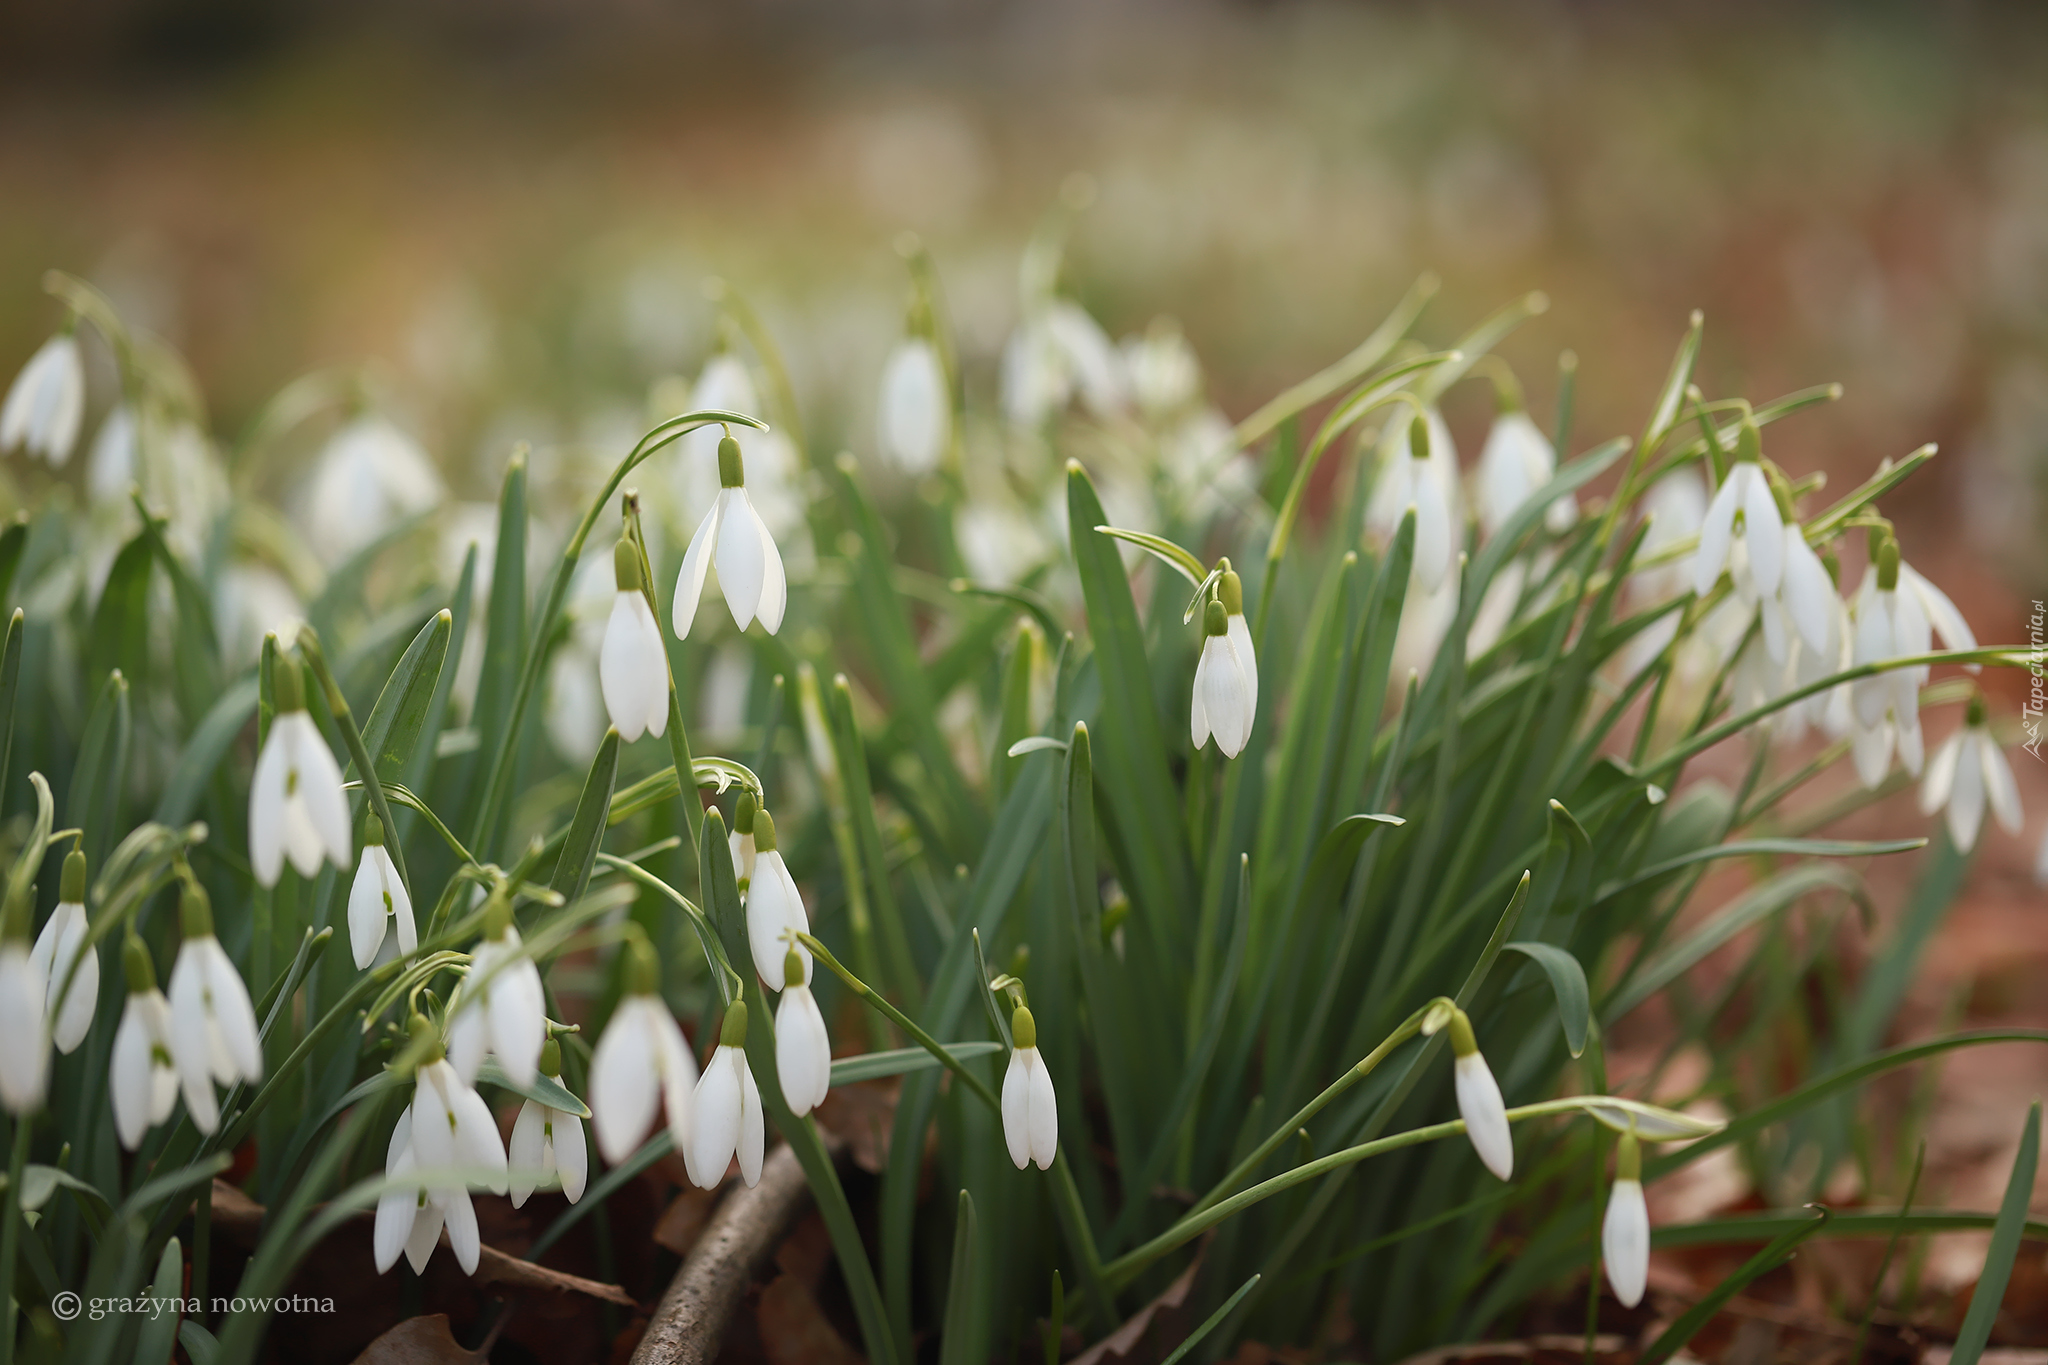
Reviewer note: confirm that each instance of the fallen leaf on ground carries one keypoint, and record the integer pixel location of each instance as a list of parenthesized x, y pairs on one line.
[(417, 1341)]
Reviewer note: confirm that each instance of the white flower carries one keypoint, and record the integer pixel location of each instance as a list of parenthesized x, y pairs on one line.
[(1165, 376), (110, 464), (1225, 699), (1805, 598), (1031, 1113), (1090, 356), (69, 995), (1889, 624), (378, 895), (728, 1119), (547, 1142), (914, 419), (749, 566), (296, 805), (451, 1128), (47, 402), (1625, 1233), (1745, 492), (1479, 1102), (1419, 468), (408, 1219), (1516, 460), (142, 1081), (1035, 380), (803, 1050), (213, 1026), (1967, 770), (632, 666), (774, 908), (1057, 349), (501, 1007), (25, 1054), (640, 1060), (369, 476)]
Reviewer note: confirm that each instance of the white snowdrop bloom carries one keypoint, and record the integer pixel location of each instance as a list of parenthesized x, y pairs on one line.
[(69, 996), (641, 1061), (914, 417), (25, 1058), (1230, 592), (47, 402), (1479, 1102), (749, 566), (1031, 1112), (741, 840), (370, 475), (803, 1050), (1945, 621), (774, 908), (1625, 1232), (110, 466), (1889, 624), (1966, 772), (632, 667), (1804, 601), (408, 1219), (1090, 356), (500, 1007), (297, 809), (1035, 379), (452, 1129), (1164, 374), (142, 1081), (377, 896), (213, 1025), (1419, 468), (728, 1120), (1225, 700), (1746, 493), (1516, 460), (547, 1142)]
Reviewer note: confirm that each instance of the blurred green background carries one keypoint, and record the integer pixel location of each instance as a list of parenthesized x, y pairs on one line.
[(509, 208)]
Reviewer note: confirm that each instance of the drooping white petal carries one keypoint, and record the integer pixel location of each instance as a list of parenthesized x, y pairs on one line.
[(136, 1078), (397, 1205), (426, 1233), (773, 906), (716, 1123), (25, 1057), (1763, 529), (1966, 797), (469, 1035), (753, 1138), (1939, 608), (677, 1067), (69, 994), (631, 669), (1940, 780), (803, 1050), (1625, 1241), (1044, 1119), (1486, 1117), (774, 584), (47, 401), (516, 1007), (741, 563), (266, 809), (476, 1136), (1226, 696), (572, 1161), (369, 906), (1516, 460), (625, 1083), (191, 1036), (914, 420), (234, 1017), (1871, 747), (526, 1156), (1017, 1109), (1999, 787), (696, 563), (1247, 658), (1717, 530), (1198, 713), (463, 1238), (1807, 591), (1435, 537), (319, 786), (1911, 751)]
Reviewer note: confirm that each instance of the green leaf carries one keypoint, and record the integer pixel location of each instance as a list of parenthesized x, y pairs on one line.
[(1872, 1223), (1770, 1258), (204, 750), (1168, 553), (1348, 370), (545, 1090), (13, 541), (1750, 848), (586, 830), (99, 778), (39, 1183), (957, 1336), (998, 1022), (1481, 339), (873, 1066), (2005, 1245), (1664, 413), (1209, 1324), (1568, 983), (495, 716), (401, 711), (121, 621), (10, 692), (199, 1343), (160, 1331)]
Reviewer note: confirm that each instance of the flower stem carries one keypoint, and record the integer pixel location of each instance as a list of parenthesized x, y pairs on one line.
[(903, 1021), (337, 704), (10, 1236)]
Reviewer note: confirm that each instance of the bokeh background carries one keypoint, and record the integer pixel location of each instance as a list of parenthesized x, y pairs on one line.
[(508, 209)]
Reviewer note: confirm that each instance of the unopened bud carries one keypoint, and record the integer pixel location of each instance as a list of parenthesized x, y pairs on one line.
[(1230, 592), (1215, 620), (764, 831), (731, 473), (733, 1032), (135, 964), (626, 565), (71, 888), (551, 1058), (743, 814), (1023, 1028)]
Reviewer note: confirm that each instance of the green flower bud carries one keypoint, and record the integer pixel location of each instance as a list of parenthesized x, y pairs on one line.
[(425, 1034), (288, 685), (373, 832), (743, 813), (764, 831), (731, 473), (1418, 437), (195, 910), (1215, 620), (1023, 1028), (1749, 442), (733, 1032), (792, 968), (135, 963), (551, 1058), (71, 889), (1628, 1158), (1888, 565), (626, 565), (1463, 1044), (1230, 592)]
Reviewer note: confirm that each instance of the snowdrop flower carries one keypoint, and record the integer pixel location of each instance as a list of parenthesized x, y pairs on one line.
[(1967, 770), (1164, 374), (728, 1120), (110, 464), (547, 1142), (1746, 492), (1479, 1102), (296, 806), (1943, 618), (1035, 382), (641, 1060), (47, 402), (632, 667), (914, 418), (741, 840), (378, 895), (142, 1081), (369, 476), (774, 908), (69, 996), (1226, 691), (1516, 460), (408, 1219), (1230, 592), (213, 1026), (449, 1127), (803, 1050), (25, 1055), (1090, 357), (1625, 1233), (749, 567), (1419, 469), (1805, 601), (500, 1007), (1889, 624), (1031, 1114)]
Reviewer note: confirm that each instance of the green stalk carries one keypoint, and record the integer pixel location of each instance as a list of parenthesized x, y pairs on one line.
[(337, 704), (10, 1236), (904, 1022)]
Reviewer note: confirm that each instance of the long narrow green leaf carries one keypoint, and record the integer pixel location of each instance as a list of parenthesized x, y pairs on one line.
[(586, 829), (875, 1066), (1770, 1258), (2005, 1245), (497, 717), (1568, 983), (957, 1344), (400, 714)]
